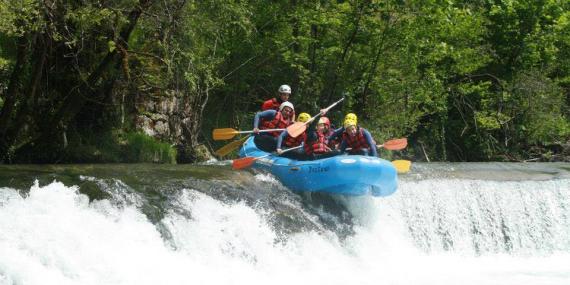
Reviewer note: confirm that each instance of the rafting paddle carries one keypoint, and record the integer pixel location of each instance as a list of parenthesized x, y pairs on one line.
[(395, 144), (298, 128), (247, 161), (402, 166), (228, 133), (225, 150)]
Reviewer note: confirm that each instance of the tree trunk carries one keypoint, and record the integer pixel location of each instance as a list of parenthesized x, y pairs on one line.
[(372, 70), (313, 49), (77, 97), (359, 11), (28, 103), (12, 92)]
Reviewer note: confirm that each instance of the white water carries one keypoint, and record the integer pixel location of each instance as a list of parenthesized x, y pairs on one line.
[(421, 235)]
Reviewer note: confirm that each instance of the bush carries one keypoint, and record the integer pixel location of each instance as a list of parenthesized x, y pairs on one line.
[(140, 147)]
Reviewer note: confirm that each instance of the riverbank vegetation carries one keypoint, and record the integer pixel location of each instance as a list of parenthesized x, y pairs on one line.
[(463, 80)]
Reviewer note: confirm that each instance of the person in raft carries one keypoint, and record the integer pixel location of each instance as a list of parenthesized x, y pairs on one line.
[(335, 136), (316, 144), (358, 139), (284, 92), (290, 142), (271, 119), (331, 136)]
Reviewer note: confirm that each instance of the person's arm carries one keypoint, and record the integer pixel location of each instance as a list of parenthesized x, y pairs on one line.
[(336, 134), (266, 115), (370, 142), (280, 141), (342, 147), (311, 130)]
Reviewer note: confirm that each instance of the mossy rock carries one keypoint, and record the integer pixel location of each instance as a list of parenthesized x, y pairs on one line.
[(189, 154), (202, 153)]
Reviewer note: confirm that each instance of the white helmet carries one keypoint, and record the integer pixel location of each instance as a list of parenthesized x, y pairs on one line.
[(285, 89), (286, 104)]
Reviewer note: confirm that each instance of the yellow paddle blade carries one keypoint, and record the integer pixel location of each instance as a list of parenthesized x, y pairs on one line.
[(296, 129), (224, 134), (402, 166), (227, 149), (396, 144)]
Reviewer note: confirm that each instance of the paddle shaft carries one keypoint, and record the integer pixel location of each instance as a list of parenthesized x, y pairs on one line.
[(324, 111), (378, 146), (261, 131), (248, 161), (284, 151), (395, 144), (298, 128)]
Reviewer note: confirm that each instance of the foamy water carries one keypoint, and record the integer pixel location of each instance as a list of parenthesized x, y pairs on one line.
[(429, 232)]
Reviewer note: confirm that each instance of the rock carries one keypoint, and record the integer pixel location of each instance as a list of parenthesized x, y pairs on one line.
[(171, 117), (187, 154), (167, 105), (202, 153), (145, 124), (161, 129)]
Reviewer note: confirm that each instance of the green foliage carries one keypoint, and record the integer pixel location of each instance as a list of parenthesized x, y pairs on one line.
[(541, 109), (441, 72), (99, 148), (140, 147), (464, 80), (19, 17), (115, 147)]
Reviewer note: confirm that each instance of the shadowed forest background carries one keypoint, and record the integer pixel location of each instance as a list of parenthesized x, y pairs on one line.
[(144, 80)]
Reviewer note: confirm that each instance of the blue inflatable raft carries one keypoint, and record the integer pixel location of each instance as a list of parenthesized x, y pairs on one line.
[(343, 174)]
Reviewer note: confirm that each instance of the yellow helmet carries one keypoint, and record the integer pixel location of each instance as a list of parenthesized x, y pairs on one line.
[(349, 122), (351, 116), (303, 117)]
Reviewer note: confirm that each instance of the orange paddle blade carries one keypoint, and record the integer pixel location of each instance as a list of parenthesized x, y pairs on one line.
[(227, 149), (296, 129), (396, 144), (224, 134), (241, 163)]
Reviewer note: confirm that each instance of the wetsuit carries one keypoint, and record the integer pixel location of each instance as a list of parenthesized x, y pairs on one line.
[(336, 136)]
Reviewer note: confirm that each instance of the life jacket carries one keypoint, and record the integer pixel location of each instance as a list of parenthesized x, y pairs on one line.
[(318, 146), (292, 142), (357, 142), (278, 122), (271, 104)]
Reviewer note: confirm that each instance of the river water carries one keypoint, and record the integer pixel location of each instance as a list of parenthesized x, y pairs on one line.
[(448, 223)]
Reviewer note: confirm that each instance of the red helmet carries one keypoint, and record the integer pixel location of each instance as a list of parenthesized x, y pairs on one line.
[(326, 121)]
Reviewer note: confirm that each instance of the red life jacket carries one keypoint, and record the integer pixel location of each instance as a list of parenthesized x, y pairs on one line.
[(318, 146), (278, 122), (271, 104), (292, 142), (357, 142)]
